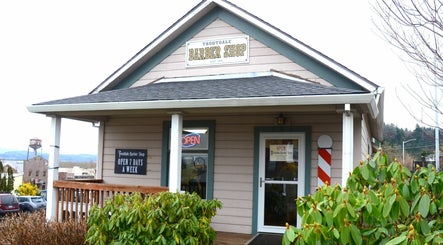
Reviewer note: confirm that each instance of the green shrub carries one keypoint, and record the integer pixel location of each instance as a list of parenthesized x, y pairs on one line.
[(32, 228), (381, 204), (163, 218)]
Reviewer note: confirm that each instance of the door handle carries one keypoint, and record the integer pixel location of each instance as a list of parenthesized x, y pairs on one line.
[(262, 181)]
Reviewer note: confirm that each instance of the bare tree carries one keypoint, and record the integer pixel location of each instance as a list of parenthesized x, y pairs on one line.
[(415, 27)]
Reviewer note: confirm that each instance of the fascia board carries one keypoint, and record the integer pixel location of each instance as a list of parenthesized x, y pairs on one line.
[(298, 45), (366, 98), (154, 44), (201, 9)]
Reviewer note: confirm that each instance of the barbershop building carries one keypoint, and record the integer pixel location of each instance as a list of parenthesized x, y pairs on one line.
[(228, 106)]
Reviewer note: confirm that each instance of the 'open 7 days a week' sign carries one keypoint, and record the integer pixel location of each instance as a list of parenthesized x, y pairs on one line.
[(130, 161)]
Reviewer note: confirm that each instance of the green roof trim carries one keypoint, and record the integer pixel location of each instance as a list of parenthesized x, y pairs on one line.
[(279, 46), (290, 52), (169, 49)]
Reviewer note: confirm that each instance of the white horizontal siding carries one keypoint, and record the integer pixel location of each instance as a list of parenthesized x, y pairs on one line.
[(133, 133), (233, 160), (331, 125), (261, 59)]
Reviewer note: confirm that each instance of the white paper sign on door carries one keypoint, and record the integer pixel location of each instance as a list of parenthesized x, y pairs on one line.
[(281, 153)]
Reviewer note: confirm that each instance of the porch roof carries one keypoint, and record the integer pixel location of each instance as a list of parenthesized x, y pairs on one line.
[(267, 89)]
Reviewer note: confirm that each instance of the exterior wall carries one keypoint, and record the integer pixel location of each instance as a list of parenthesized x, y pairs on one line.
[(133, 133), (366, 145), (35, 170), (358, 130), (262, 59), (233, 161), (329, 124)]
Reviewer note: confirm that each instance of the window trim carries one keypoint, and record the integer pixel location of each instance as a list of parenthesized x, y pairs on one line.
[(210, 124)]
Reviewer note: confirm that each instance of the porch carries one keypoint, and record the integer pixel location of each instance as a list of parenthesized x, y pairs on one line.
[(229, 238), (75, 198)]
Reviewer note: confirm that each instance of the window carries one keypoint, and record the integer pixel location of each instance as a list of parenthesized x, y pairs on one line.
[(194, 177), (197, 157)]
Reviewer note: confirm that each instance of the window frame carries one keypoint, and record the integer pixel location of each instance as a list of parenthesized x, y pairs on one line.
[(210, 124)]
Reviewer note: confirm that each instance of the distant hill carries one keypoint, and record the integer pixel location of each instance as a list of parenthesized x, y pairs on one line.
[(23, 155), (421, 140)]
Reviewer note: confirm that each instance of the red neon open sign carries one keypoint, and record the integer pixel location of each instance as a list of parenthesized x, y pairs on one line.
[(191, 140)]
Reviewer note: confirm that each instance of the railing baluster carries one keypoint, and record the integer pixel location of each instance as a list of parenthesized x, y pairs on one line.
[(57, 205), (74, 198)]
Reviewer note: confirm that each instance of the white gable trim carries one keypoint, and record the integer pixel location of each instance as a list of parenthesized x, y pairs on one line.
[(154, 46), (231, 76), (298, 45), (203, 8)]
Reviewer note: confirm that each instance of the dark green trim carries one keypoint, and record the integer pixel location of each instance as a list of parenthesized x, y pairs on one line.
[(210, 124), (290, 52), (169, 49), (281, 47), (292, 129), (165, 154)]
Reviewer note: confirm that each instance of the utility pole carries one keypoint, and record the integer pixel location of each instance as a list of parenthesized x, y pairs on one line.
[(436, 99)]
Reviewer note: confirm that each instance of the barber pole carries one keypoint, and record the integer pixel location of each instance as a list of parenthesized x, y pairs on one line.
[(324, 166), (324, 160)]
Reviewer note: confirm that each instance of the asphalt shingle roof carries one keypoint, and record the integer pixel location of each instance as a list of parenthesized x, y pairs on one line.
[(250, 87)]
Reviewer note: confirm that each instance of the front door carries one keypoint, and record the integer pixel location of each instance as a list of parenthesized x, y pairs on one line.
[(281, 180)]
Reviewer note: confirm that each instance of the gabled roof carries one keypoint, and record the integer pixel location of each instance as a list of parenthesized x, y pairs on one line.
[(206, 12), (239, 90), (210, 87), (115, 93)]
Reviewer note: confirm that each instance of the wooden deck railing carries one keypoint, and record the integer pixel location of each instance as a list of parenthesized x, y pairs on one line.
[(75, 198)]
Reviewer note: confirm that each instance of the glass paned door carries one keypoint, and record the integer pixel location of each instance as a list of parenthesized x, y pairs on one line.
[(281, 178)]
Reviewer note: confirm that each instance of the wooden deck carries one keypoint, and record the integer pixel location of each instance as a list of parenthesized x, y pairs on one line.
[(75, 198), (228, 238)]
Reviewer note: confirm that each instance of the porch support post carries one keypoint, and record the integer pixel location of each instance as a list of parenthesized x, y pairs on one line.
[(348, 142), (53, 163), (175, 157)]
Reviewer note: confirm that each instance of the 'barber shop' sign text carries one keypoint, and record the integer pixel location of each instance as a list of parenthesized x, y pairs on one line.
[(217, 51), (130, 161)]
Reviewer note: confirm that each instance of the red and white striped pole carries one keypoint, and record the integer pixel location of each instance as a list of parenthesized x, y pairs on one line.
[(324, 143)]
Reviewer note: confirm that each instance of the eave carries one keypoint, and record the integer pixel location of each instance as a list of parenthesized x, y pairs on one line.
[(366, 99)]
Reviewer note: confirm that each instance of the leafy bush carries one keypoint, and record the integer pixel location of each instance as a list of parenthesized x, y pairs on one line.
[(32, 228), (163, 218), (27, 189), (381, 204)]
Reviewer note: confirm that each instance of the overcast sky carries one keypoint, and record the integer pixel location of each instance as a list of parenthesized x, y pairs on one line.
[(58, 49)]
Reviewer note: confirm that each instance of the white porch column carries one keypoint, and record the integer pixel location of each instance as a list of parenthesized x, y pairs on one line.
[(53, 163), (347, 144), (175, 157)]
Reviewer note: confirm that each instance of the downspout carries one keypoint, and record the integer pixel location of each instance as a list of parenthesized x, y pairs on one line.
[(347, 143)]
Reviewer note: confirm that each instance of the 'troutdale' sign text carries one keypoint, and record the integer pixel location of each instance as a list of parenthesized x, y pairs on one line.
[(217, 51), (130, 161)]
